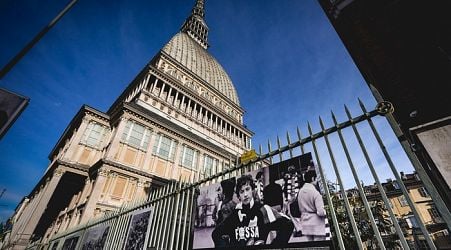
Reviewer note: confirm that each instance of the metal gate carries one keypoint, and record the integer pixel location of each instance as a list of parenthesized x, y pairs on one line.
[(336, 149)]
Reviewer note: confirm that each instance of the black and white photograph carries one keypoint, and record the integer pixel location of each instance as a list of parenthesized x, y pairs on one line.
[(279, 205), (11, 105), (54, 245), (95, 237), (71, 243), (138, 230)]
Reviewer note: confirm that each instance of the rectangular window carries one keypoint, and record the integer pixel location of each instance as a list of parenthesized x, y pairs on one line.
[(422, 244), (164, 147), (423, 192), (411, 221), (435, 215), (94, 134), (403, 201), (136, 135), (189, 157), (208, 164)]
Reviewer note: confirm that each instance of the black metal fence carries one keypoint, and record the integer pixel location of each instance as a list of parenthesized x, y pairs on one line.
[(340, 152)]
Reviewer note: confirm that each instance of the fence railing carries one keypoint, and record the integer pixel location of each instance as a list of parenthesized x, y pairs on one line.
[(341, 153)]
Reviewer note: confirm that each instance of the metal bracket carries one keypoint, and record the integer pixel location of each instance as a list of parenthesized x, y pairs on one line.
[(384, 108)]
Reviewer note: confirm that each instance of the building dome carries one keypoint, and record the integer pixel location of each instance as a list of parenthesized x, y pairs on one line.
[(188, 52)]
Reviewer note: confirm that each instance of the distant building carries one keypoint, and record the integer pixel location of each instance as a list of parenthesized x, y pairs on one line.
[(423, 203), (180, 118), (403, 50)]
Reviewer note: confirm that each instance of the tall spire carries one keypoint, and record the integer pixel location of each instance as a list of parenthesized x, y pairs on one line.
[(195, 25)]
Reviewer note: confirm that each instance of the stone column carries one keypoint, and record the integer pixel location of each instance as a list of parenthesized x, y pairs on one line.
[(51, 230), (146, 80), (74, 219), (84, 191), (96, 191), (178, 153), (175, 98), (199, 115), (194, 109), (115, 139), (232, 133), (215, 126), (140, 193), (154, 85), (182, 102), (188, 106), (210, 123), (41, 205), (162, 89), (23, 205), (22, 220), (148, 156), (63, 224), (112, 177), (169, 93), (197, 165)]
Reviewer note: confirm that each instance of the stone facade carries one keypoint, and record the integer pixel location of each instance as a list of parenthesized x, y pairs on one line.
[(180, 118)]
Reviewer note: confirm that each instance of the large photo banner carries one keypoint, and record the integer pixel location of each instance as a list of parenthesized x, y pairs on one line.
[(139, 228), (11, 105), (71, 242), (95, 237), (279, 205)]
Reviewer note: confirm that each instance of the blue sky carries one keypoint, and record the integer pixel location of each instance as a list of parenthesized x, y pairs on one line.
[(284, 57)]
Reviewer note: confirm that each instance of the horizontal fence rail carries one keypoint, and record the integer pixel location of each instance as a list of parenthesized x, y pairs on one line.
[(172, 206)]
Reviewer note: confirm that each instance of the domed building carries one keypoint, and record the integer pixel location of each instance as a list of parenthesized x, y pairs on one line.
[(180, 118)]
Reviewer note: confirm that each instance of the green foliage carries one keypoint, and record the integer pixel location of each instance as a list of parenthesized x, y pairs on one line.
[(363, 223)]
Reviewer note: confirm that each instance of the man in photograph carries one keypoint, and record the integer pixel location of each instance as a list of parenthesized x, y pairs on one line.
[(250, 222), (224, 204), (311, 205), (259, 185), (273, 194), (224, 207)]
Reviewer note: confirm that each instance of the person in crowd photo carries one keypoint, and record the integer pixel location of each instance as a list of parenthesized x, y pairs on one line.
[(311, 206), (251, 221)]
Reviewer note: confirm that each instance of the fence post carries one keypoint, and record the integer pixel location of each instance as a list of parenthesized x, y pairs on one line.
[(326, 191), (343, 192), (378, 183), (359, 185), (438, 201), (398, 177)]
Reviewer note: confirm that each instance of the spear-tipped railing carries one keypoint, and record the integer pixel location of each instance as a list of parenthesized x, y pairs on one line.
[(174, 204)]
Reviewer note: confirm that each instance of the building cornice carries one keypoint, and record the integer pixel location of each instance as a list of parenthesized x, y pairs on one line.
[(51, 171), (74, 123), (172, 128), (209, 106), (132, 85), (93, 171)]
